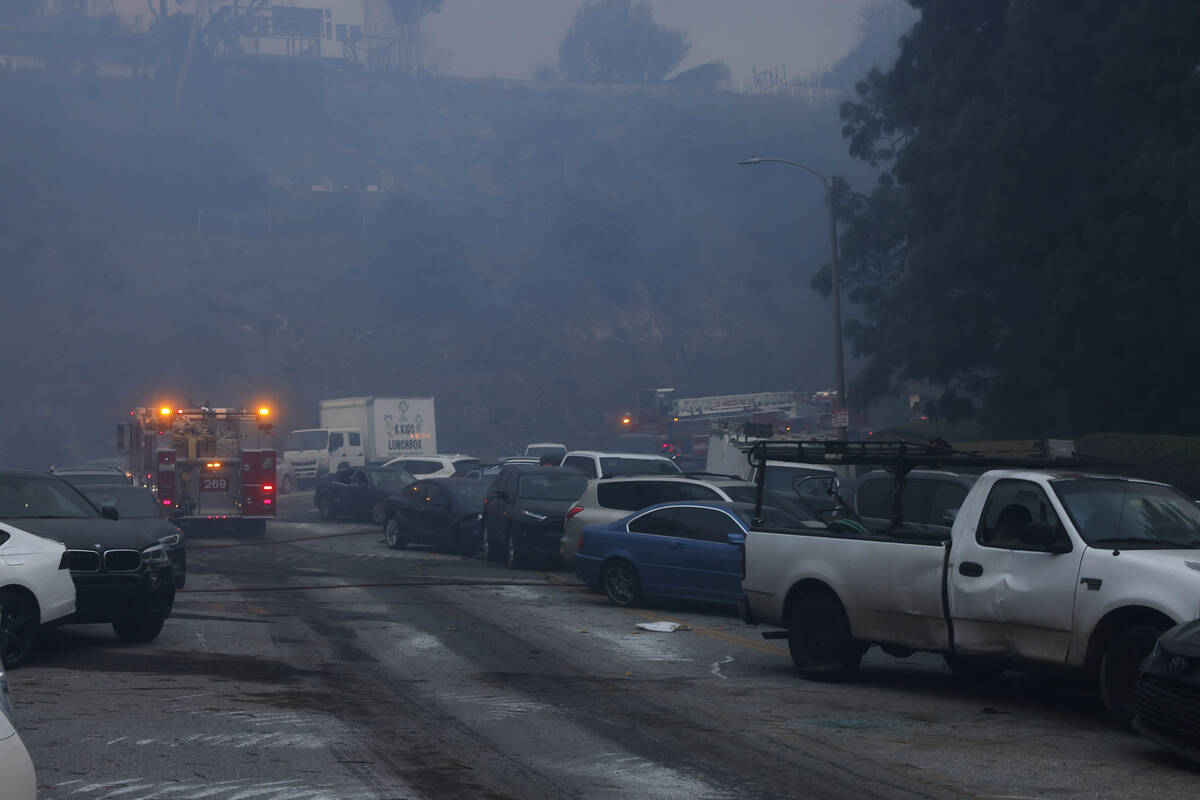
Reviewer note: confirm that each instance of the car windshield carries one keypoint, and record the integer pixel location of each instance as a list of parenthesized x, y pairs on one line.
[(307, 440), (612, 466), (95, 479), (466, 491), (1130, 516), (562, 486), (42, 498), (393, 478), (133, 504)]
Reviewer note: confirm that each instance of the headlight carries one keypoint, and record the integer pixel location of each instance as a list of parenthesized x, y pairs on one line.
[(154, 554), (532, 515), (171, 540)]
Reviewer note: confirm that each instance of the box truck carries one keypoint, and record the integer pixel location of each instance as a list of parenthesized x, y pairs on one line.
[(354, 431)]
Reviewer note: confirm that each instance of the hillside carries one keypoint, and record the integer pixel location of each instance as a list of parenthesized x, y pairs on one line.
[(529, 256)]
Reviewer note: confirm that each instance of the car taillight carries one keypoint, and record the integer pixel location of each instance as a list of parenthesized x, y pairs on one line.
[(573, 511), (166, 502)]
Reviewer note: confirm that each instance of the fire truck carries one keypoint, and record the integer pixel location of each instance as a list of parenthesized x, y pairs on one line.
[(207, 466)]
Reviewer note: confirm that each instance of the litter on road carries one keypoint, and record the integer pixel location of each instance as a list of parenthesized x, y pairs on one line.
[(662, 627)]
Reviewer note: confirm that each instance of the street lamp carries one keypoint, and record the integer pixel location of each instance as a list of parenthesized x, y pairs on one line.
[(828, 180)]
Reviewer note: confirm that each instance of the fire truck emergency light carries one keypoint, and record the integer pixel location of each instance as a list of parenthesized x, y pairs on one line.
[(165, 411), (213, 465), (626, 420), (264, 412)]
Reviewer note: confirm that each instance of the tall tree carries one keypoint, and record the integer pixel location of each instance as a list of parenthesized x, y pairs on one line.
[(1034, 242), (618, 41)]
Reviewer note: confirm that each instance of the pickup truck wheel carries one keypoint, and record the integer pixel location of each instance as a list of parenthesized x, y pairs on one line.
[(973, 669), (1120, 667), (19, 623), (619, 580), (819, 639), (325, 507), (393, 533), (138, 629), (377, 512)]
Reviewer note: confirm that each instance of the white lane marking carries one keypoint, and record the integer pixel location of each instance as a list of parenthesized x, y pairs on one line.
[(716, 667), (203, 643)]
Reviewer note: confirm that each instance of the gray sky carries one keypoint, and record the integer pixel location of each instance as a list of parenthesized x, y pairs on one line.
[(484, 38)]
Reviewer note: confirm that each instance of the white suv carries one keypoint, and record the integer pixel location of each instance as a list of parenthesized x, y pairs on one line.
[(454, 465), (598, 464)]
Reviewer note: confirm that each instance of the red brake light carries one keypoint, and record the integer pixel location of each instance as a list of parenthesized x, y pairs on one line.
[(573, 511), (268, 488), (166, 502)]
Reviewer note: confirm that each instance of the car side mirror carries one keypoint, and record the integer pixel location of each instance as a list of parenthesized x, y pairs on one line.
[(110, 513)]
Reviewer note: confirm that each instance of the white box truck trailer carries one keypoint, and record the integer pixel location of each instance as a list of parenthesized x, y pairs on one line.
[(391, 426)]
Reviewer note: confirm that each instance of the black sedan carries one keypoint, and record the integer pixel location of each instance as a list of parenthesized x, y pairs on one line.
[(445, 512), (1168, 692), (139, 508), (360, 492)]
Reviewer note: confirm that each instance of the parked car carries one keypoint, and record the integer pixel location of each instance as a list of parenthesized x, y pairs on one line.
[(122, 576), (36, 590), (483, 472), (359, 492), (445, 512), (89, 476), (525, 511), (140, 508), (931, 498), (647, 443), (682, 550), (16, 768), (537, 450), (598, 464), (1167, 698), (611, 499), (447, 466)]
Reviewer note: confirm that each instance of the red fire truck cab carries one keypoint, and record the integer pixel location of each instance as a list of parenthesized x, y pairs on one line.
[(207, 466)]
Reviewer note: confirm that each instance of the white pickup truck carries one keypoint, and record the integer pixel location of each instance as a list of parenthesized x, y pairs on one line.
[(1043, 567)]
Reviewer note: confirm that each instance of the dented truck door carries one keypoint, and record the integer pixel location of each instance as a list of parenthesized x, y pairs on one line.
[(1013, 574)]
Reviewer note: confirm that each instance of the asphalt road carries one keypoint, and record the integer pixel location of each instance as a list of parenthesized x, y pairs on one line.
[(317, 663)]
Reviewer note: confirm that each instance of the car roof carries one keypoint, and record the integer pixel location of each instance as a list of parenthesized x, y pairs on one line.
[(536, 468), (28, 473), (673, 479), (547, 444), (615, 454)]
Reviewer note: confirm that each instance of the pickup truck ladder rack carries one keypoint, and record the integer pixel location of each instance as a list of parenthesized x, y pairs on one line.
[(901, 458)]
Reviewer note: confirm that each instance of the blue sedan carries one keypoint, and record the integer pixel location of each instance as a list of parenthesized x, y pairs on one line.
[(683, 550)]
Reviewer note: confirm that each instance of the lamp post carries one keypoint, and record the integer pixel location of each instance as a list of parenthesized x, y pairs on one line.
[(828, 180)]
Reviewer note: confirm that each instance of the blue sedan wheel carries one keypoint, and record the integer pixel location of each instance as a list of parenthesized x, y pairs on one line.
[(619, 581)]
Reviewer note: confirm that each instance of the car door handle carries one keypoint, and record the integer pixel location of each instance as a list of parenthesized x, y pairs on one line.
[(970, 569)]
